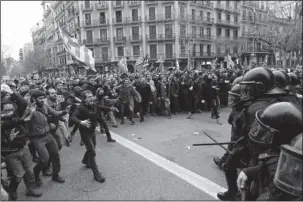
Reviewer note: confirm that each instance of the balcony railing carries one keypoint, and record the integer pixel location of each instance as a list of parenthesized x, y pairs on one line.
[(203, 19), (151, 2), (202, 3), (160, 37), (88, 41), (102, 5), (159, 17), (102, 59), (120, 20), (70, 17), (101, 40), (166, 56), (100, 22), (134, 3), (119, 39), (133, 19), (133, 57), (135, 38), (228, 22), (118, 4), (87, 7)]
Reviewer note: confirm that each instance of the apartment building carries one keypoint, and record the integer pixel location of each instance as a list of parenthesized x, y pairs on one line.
[(201, 30)]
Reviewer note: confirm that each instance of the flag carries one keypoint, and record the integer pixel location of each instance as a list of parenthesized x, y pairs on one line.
[(123, 64), (81, 53), (160, 60), (145, 62), (177, 64), (213, 63), (266, 59), (230, 63), (139, 61)]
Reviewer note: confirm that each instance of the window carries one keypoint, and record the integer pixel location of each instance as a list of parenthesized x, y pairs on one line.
[(244, 14), (120, 51), (118, 16), (260, 17), (228, 17), (88, 19), (182, 12), (227, 49), (136, 50), (194, 31), (135, 32), (135, 15), (102, 18), (152, 13), (93, 52), (219, 16), (167, 12), (201, 15), (227, 33), (201, 32), (89, 36), (219, 30), (201, 49), (118, 3), (183, 48), (208, 16), (227, 4), (152, 32), (235, 34), (218, 49), (169, 50), (235, 49), (87, 4), (153, 51), (168, 30), (104, 52), (236, 5), (103, 34), (119, 33), (193, 14), (194, 50), (182, 30), (250, 17), (208, 33), (236, 19)]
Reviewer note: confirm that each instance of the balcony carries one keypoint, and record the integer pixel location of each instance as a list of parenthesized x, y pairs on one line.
[(133, 20), (247, 19), (227, 23), (201, 20), (61, 52), (120, 21), (135, 38), (102, 41), (134, 3), (88, 42), (101, 6), (102, 59), (95, 23), (219, 6), (119, 39), (86, 7), (159, 18), (205, 4), (151, 2), (203, 37), (166, 56), (70, 17), (133, 57), (160, 37), (118, 4)]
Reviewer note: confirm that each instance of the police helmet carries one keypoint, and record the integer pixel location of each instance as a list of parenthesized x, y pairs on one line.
[(294, 80), (258, 81), (234, 95), (282, 79), (237, 80), (277, 124), (288, 176)]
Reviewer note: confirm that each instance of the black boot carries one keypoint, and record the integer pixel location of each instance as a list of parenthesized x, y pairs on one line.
[(57, 178), (231, 180), (29, 181), (226, 196), (97, 175)]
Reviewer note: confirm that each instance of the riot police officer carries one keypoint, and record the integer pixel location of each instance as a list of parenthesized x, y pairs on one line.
[(257, 91), (269, 131)]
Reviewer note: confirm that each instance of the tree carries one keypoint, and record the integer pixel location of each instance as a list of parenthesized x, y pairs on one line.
[(34, 60), (5, 59)]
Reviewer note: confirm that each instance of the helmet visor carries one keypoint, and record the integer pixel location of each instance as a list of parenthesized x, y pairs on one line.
[(261, 133), (233, 99), (288, 175), (247, 91)]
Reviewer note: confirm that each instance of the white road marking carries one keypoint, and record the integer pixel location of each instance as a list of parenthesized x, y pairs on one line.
[(192, 178)]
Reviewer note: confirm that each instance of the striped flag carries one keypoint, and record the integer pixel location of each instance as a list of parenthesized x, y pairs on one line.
[(139, 61), (123, 64), (72, 46)]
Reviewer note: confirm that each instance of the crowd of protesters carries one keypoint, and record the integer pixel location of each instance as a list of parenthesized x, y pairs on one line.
[(36, 114)]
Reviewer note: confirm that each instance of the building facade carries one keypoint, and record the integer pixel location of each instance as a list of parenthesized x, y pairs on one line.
[(195, 31)]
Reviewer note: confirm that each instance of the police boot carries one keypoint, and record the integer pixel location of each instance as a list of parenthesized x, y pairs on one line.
[(231, 179), (109, 137), (226, 196), (13, 186)]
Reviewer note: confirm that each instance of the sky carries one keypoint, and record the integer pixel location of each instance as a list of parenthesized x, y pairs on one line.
[(17, 19)]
